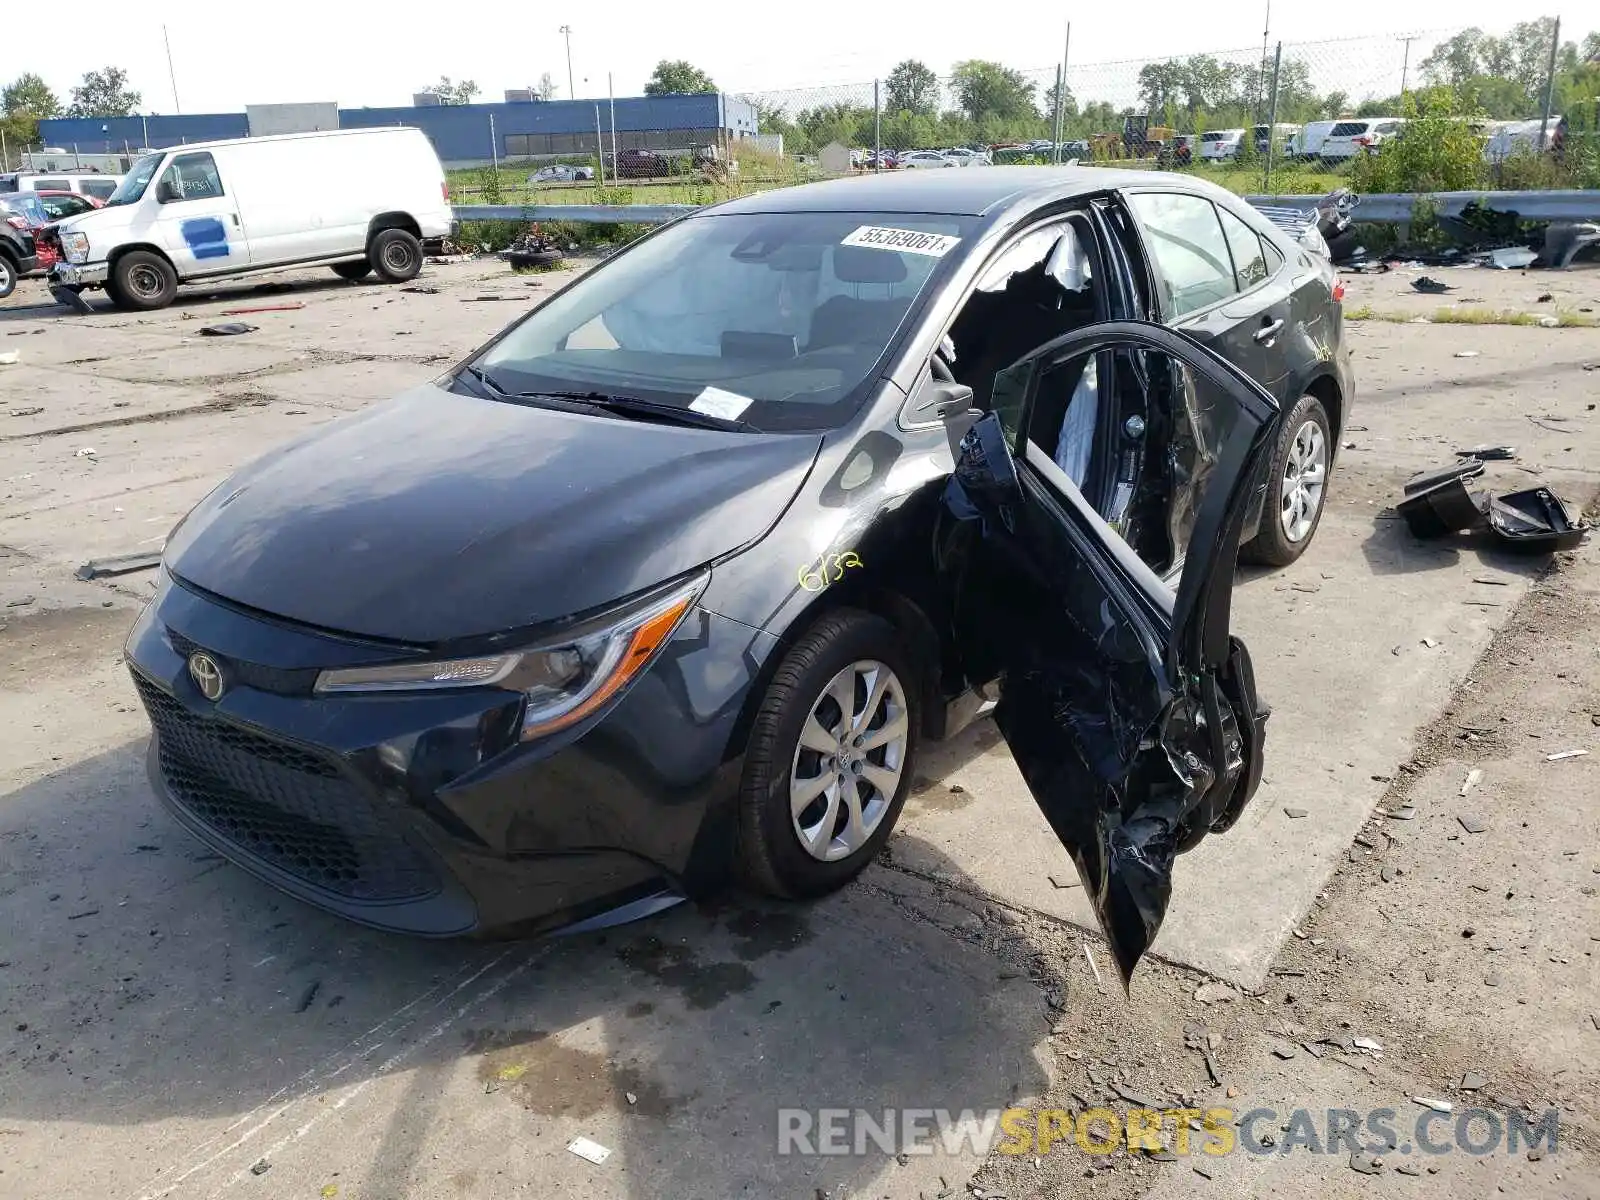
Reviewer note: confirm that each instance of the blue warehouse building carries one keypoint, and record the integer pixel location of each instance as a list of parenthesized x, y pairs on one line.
[(462, 134)]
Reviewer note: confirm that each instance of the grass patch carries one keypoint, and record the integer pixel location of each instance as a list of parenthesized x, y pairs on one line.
[(1472, 316)]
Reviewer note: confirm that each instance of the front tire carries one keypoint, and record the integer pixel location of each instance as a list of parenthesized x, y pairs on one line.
[(143, 281), (1297, 489), (8, 276), (830, 758), (395, 255), (359, 269)]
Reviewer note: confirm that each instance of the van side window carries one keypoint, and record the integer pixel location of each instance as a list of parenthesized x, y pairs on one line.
[(191, 177)]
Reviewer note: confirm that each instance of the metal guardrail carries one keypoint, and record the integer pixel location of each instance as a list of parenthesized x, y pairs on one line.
[(1396, 208), (1382, 208)]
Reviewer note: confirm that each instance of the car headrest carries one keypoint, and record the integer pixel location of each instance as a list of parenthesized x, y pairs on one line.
[(860, 264)]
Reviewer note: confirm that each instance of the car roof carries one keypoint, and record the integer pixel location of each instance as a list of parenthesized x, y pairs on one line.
[(972, 191)]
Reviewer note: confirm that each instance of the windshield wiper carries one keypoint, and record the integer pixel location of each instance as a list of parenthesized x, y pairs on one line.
[(634, 406)]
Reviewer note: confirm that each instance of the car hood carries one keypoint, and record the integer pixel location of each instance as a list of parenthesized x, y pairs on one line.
[(438, 516)]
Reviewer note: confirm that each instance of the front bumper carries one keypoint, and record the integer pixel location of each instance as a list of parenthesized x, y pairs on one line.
[(79, 276), (422, 813)]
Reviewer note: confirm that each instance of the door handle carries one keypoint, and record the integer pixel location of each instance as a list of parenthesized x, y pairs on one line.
[(1267, 332), (234, 217)]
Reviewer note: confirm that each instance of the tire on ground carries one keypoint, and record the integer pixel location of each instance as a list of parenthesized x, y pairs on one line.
[(771, 858), (359, 269), (142, 280), (8, 276), (395, 254), (1271, 545)]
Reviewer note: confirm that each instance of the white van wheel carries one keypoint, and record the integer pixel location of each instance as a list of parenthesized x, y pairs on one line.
[(395, 255), (142, 280)]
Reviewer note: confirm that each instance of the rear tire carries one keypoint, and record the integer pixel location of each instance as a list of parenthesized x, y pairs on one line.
[(1297, 487), (810, 846), (395, 255), (8, 276), (143, 281), (359, 269)]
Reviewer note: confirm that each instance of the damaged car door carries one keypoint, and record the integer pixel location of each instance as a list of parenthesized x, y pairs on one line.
[(1130, 709)]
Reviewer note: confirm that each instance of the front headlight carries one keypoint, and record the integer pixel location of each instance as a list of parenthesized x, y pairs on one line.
[(564, 679), (76, 247)]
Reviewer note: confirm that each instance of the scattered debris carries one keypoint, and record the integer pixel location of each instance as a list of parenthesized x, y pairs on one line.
[(308, 996), (1093, 970), (1565, 754), (1489, 453), (88, 912), (1294, 814), (120, 564), (593, 1151), (1511, 258), (1407, 1169), (261, 1167), (1061, 881), (227, 329), (422, 290), (1202, 1172), (1366, 1164), (1492, 582), (474, 299), (1492, 979), (1466, 354), (1471, 781), (31, 411), (1214, 992), (1431, 643), (1472, 1082), (72, 299), (19, 602), (1283, 1052), (1437, 502), (83, 452), (631, 1097), (1369, 1044), (1442, 1106), (1406, 812), (1430, 286), (241, 312), (1545, 298), (1387, 873), (10, 358), (1548, 322), (1471, 823)]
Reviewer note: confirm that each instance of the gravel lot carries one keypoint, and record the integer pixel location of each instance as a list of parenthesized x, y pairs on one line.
[(173, 1028)]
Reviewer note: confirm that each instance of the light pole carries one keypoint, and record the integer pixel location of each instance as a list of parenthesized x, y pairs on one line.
[(1405, 63), (171, 74), (566, 32)]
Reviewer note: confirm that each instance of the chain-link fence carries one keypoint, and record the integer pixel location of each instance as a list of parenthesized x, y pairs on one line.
[(1292, 116)]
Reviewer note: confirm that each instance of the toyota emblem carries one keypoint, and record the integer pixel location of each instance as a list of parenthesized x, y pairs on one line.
[(207, 675)]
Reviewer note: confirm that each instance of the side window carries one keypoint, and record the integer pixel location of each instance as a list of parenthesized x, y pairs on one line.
[(190, 177), (50, 185), (1190, 250), (1249, 259), (100, 189)]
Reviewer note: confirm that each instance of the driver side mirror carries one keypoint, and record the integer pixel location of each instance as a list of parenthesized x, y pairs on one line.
[(167, 192)]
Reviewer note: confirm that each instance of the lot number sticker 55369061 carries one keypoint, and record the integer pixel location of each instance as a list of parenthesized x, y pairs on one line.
[(912, 241)]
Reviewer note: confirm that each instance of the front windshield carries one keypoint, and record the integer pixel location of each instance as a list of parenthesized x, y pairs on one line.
[(776, 319), (134, 183)]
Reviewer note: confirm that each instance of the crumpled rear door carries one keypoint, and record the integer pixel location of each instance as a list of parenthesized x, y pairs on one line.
[(1130, 709)]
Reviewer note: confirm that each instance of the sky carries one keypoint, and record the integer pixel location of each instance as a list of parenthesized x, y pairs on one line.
[(230, 55)]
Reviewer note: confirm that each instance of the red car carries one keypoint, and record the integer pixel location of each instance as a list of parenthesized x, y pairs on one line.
[(58, 206)]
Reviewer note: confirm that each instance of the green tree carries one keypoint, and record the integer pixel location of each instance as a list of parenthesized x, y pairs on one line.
[(1069, 103), (1161, 84), (104, 94), (912, 87), (450, 92), (987, 89), (29, 96), (1439, 152), (677, 77)]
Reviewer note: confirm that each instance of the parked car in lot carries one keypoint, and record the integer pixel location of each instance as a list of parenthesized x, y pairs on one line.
[(1219, 145), (1307, 143), (1350, 138), (642, 164), (560, 173), (964, 156), (88, 183), (917, 160), (674, 577), (19, 254), (1282, 136), (1511, 138), (218, 209)]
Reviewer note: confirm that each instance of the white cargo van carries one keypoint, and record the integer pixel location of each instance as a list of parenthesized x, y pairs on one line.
[(358, 200), (86, 183)]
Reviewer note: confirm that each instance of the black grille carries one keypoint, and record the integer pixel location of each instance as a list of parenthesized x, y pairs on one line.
[(285, 681), (293, 808)]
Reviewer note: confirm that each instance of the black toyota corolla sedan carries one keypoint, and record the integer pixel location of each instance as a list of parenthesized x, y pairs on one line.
[(670, 581)]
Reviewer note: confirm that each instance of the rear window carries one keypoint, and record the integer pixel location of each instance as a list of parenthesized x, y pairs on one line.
[(1387, 127), (1348, 129)]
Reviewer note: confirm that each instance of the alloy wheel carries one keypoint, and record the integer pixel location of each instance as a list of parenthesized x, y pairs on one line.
[(848, 764), (1305, 475)]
